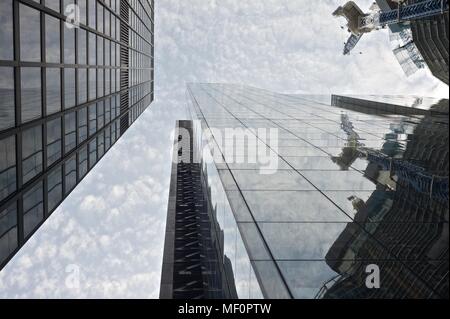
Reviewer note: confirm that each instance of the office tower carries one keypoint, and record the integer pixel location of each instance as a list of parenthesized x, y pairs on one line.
[(194, 264), (74, 75), (325, 194)]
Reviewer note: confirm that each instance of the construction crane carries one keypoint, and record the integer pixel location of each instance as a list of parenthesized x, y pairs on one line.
[(360, 22)]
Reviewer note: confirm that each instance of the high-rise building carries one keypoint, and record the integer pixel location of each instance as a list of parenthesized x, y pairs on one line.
[(195, 263), (74, 75), (322, 200)]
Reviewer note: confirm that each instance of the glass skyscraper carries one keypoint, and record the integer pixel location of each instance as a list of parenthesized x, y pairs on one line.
[(74, 75), (347, 199)]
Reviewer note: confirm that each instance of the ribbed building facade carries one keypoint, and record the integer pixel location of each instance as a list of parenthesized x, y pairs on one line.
[(431, 36)]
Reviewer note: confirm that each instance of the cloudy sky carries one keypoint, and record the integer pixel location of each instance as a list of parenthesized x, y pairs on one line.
[(110, 231)]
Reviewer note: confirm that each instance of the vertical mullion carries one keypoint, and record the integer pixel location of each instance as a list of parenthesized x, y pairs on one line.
[(18, 112)]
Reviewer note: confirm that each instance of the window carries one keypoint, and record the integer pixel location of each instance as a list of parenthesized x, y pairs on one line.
[(107, 138), (69, 88), (53, 5), (100, 83), (113, 133), (53, 90), (100, 10), (31, 153), (92, 153), (8, 231), (70, 132), (82, 125), (52, 39), (7, 167), (6, 30), (53, 141), (30, 34), (107, 111), (92, 4), (107, 22), (31, 94), (100, 60), (101, 144), (69, 45), (107, 81), (92, 49), (92, 119), (7, 109), (70, 179), (107, 52), (82, 5), (100, 115), (83, 162), (82, 86), (54, 184), (92, 84), (33, 208), (82, 47)]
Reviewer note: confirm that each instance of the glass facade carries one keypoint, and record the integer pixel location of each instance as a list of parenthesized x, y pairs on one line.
[(321, 194), (68, 91)]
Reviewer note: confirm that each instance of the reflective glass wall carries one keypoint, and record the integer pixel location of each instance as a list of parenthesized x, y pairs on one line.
[(74, 75), (340, 203)]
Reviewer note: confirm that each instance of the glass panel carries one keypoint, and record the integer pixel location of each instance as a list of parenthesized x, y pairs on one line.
[(339, 180), (83, 162), (82, 125), (92, 4), (6, 30), (82, 47), (69, 88), (30, 34), (288, 206), (82, 86), (100, 83), (54, 184), (100, 10), (70, 134), (54, 141), (92, 119), (31, 153), (52, 39), (7, 103), (92, 153), (8, 231), (33, 208), (92, 49), (31, 93), (69, 45), (100, 50), (281, 180), (101, 144), (53, 82), (53, 5), (100, 115), (7, 166), (83, 7), (71, 174), (92, 84)]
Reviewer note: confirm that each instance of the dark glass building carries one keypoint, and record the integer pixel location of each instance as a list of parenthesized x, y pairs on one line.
[(318, 193), (195, 264), (74, 75)]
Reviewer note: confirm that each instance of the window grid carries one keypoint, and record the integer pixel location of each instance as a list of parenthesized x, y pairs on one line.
[(86, 79)]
